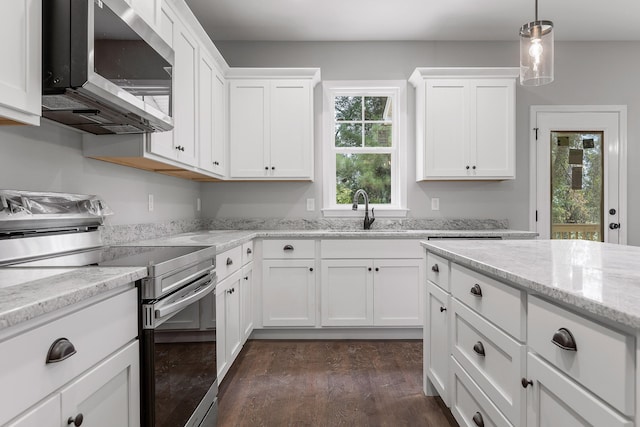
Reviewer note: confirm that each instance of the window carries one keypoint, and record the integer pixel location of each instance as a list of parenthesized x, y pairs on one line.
[(364, 146)]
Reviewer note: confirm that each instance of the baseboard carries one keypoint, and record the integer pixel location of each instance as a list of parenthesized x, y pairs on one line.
[(338, 334)]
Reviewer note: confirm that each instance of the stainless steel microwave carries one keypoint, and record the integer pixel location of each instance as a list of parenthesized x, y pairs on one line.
[(104, 69)]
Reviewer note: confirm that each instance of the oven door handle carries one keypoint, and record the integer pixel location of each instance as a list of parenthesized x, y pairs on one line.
[(188, 279), (170, 308)]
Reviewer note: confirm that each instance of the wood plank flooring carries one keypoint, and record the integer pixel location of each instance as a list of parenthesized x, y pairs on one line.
[(329, 383)]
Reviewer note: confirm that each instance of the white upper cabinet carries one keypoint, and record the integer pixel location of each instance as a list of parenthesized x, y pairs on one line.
[(465, 123), (271, 123), (21, 52), (212, 115), (180, 144)]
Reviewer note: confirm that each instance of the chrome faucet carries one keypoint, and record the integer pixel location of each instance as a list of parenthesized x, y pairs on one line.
[(367, 221)]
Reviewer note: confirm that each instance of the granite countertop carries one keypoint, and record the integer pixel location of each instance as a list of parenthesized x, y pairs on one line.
[(26, 293), (598, 278), (227, 239)]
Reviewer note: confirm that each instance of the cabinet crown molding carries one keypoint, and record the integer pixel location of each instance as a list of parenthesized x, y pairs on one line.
[(421, 73), (312, 74)]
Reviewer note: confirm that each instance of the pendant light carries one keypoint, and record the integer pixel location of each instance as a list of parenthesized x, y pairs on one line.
[(536, 52)]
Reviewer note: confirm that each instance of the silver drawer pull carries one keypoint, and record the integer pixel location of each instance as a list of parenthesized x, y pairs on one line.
[(563, 338), (435, 268), (229, 261), (288, 248), (60, 350), (249, 251)]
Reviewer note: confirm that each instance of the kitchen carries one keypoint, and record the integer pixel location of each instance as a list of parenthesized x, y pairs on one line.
[(50, 157)]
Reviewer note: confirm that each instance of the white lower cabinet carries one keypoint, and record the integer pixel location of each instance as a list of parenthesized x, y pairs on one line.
[(502, 357), (108, 395), (246, 301), (553, 399), (365, 292), (288, 292), (436, 342), (228, 323), (99, 383)]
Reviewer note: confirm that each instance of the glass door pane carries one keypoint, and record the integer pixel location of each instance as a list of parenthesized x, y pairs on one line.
[(577, 185)]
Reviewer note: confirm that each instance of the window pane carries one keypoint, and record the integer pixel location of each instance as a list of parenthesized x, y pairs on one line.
[(372, 172), (377, 135), (349, 135), (577, 185), (377, 108), (348, 107)]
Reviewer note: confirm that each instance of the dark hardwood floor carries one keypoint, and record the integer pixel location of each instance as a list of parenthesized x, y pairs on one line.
[(328, 383)]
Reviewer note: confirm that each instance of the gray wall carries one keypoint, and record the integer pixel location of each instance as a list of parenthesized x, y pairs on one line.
[(586, 73), (49, 158)]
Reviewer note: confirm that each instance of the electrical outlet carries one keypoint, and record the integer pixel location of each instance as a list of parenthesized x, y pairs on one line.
[(198, 204), (435, 204), (311, 204), (150, 202)]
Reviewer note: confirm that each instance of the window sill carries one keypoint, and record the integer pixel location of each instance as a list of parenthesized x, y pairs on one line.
[(378, 213)]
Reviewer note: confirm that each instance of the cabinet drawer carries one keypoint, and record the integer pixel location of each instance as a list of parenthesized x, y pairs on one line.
[(438, 270), (494, 360), (247, 252), (603, 361), (95, 331), (499, 303), (290, 248), (468, 401), (228, 262), (371, 248)]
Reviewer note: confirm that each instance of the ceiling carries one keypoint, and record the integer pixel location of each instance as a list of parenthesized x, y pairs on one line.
[(376, 20)]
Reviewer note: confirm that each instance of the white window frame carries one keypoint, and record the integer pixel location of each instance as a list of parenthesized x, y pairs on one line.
[(396, 89)]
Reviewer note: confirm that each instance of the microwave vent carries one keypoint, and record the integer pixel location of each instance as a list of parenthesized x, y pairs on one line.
[(62, 103), (122, 129)]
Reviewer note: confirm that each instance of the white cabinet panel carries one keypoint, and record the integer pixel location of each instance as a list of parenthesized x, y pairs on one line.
[(21, 52), (249, 129), (396, 289), (108, 395), (211, 116), (347, 293), (436, 349), (149, 10), (291, 129), (228, 322), (288, 293), (44, 414), (555, 400), (246, 301)]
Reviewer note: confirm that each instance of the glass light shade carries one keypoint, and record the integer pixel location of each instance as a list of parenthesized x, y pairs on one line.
[(536, 53)]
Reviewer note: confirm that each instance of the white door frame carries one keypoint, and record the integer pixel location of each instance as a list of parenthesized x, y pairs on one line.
[(622, 156)]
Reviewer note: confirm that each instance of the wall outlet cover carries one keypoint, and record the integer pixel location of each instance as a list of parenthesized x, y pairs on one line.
[(150, 202), (311, 204), (435, 204)]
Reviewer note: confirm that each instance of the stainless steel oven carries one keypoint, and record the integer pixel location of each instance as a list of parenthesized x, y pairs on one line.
[(178, 365)]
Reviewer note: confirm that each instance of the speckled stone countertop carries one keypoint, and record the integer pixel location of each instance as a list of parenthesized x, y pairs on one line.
[(227, 239), (598, 278), (26, 293)]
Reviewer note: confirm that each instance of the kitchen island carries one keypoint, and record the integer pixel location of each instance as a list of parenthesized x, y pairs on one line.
[(533, 332)]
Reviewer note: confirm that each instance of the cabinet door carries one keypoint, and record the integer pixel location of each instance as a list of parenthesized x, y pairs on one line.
[(44, 414), (288, 292), (555, 400), (347, 292), (21, 81), (246, 301), (396, 290), (222, 355), (436, 340), (180, 143), (233, 328), (291, 141), (107, 395), (492, 128), (446, 128), (249, 128), (211, 114)]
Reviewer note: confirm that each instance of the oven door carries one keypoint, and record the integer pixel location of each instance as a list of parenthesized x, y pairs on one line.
[(179, 381)]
